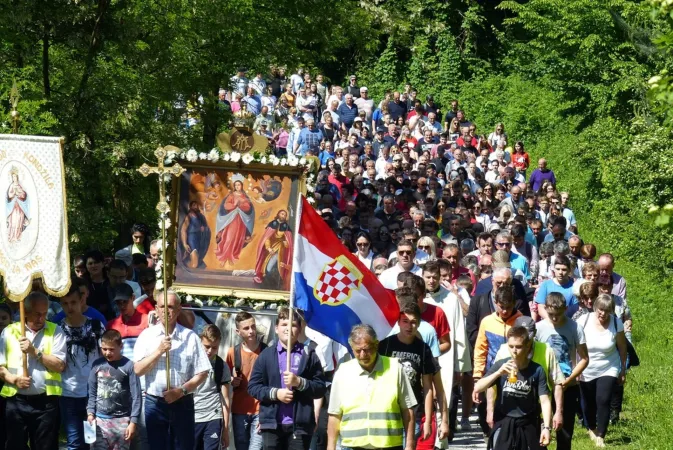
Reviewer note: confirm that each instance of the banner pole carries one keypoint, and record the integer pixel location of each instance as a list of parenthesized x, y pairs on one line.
[(295, 234), (22, 318)]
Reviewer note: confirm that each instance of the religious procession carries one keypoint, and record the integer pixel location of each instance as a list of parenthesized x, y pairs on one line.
[(399, 278)]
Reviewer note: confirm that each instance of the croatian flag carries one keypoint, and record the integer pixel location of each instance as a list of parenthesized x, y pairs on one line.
[(333, 288)]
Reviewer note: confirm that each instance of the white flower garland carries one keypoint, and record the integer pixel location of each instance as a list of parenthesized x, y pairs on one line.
[(215, 155)]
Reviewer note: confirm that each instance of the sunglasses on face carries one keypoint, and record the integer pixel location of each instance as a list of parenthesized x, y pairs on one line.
[(362, 244), (424, 247), (404, 252)]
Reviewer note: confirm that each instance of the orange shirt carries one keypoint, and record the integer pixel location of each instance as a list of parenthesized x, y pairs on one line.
[(243, 403)]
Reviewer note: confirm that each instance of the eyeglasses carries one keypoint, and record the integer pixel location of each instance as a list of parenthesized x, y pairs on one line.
[(404, 252), (503, 244), (425, 247), (488, 189), (362, 244)]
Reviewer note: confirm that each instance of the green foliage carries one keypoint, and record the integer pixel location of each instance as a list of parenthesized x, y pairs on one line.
[(584, 48)]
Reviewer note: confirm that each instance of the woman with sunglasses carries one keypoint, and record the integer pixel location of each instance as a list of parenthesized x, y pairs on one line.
[(427, 245), (498, 136), (479, 216), (363, 251)]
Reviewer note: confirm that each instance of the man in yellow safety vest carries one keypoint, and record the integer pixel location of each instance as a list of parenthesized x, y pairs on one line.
[(371, 399), (32, 412)]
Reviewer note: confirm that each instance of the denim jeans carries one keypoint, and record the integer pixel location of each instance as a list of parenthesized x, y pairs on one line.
[(246, 436), (170, 425), (73, 414)]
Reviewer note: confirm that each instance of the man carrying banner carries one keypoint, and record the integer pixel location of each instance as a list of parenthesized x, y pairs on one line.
[(32, 401), (371, 400)]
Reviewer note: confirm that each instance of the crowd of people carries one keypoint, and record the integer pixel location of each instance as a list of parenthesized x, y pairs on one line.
[(503, 306)]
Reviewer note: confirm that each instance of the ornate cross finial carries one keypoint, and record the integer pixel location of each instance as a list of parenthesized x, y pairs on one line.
[(175, 170)]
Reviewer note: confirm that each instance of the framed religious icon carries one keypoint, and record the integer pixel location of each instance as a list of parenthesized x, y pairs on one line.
[(234, 232)]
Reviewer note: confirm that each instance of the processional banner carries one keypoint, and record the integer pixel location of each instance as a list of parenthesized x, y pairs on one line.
[(34, 229)]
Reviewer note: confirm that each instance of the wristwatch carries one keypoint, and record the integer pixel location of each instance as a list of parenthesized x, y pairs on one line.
[(184, 391), (544, 427), (39, 355)]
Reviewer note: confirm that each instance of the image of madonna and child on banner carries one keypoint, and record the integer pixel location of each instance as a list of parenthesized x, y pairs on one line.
[(235, 231)]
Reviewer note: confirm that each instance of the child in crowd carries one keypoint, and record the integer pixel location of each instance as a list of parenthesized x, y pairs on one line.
[(286, 393), (114, 396), (240, 360), (211, 399)]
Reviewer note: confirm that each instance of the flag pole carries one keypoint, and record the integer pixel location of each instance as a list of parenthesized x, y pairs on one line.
[(295, 234)]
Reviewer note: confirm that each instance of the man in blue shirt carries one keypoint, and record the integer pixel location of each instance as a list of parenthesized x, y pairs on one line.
[(347, 111), (309, 138), (503, 241), (253, 101), (561, 283)]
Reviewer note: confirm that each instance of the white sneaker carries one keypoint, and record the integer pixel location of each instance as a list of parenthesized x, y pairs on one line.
[(599, 442), (465, 425), (592, 436)]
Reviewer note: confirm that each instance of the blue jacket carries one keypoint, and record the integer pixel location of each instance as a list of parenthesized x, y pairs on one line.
[(266, 375)]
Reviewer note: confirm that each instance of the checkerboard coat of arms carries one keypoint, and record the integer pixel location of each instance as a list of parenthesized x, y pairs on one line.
[(339, 278)]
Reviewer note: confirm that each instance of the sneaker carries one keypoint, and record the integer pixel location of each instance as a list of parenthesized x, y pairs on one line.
[(465, 425), (592, 436), (599, 442)]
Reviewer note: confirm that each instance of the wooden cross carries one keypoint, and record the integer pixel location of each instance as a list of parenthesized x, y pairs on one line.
[(172, 171)]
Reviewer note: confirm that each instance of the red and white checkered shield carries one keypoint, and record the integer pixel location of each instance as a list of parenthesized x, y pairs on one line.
[(337, 281)]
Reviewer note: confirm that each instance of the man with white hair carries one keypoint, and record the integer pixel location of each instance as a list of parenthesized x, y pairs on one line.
[(364, 103), (347, 111), (309, 139)]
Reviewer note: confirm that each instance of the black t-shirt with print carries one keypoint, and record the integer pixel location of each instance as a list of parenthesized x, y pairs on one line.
[(416, 360), (519, 399)]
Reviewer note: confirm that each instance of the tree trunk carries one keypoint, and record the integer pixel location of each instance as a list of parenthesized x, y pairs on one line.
[(45, 63)]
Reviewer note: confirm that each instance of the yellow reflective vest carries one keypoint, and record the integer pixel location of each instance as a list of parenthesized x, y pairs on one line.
[(14, 358), (371, 417)]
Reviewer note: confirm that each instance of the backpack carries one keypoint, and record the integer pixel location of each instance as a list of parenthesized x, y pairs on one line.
[(237, 356)]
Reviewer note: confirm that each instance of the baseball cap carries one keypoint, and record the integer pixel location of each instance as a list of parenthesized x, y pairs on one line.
[(509, 169), (123, 292), (357, 119), (380, 130), (364, 88), (501, 259), (433, 165), (353, 77), (125, 255), (528, 323), (494, 227)]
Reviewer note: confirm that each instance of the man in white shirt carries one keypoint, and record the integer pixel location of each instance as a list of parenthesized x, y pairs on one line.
[(305, 104), (169, 413), (405, 263), (364, 103)]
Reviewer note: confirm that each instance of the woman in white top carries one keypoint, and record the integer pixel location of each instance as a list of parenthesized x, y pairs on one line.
[(498, 136), (363, 250), (606, 343), (427, 245)]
